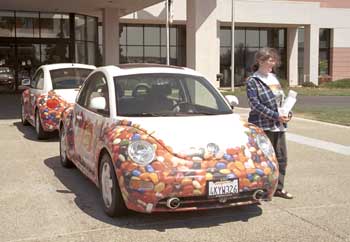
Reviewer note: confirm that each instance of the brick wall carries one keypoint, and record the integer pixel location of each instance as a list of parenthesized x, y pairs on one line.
[(330, 3), (340, 63)]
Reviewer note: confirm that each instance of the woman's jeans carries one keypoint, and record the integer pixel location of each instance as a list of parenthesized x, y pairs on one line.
[(278, 140)]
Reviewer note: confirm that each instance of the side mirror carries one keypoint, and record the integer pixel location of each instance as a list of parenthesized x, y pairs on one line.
[(98, 103), (232, 100), (25, 82)]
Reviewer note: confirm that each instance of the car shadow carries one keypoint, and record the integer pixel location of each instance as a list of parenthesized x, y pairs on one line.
[(87, 198), (29, 133)]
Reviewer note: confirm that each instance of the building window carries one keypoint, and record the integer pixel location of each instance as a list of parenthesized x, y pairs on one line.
[(54, 53), (247, 42), (324, 52), (301, 36), (53, 25), (27, 24), (86, 39), (7, 24), (30, 39), (99, 54), (147, 44)]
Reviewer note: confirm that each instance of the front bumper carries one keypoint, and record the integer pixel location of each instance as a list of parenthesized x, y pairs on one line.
[(191, 189)]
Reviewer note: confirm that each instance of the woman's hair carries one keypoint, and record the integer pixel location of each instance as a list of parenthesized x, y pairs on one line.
[(263, 55)]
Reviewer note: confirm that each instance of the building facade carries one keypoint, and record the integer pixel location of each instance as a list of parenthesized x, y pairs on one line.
[(312, 36)]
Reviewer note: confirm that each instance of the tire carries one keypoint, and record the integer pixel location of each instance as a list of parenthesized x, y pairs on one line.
[(41, 134), (23, 118), (112, 199), (65, 162)]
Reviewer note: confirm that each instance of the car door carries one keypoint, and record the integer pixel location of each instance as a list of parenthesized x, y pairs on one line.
[(88, 122), (36, 89)]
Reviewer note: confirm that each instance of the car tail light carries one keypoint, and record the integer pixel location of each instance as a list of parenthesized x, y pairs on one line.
[(52, 103)]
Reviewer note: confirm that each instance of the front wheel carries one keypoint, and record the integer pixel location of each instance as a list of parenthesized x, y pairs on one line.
[(112, 198), (40, 133), (65, 162)]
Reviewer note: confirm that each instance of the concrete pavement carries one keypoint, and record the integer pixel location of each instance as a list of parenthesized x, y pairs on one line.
[(41, 201)]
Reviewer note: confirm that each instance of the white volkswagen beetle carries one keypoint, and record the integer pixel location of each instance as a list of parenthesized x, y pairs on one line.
[(52, 89), (160, 138)]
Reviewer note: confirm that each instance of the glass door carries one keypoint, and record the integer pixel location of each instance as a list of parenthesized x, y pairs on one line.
[(7, 67), (28, 59)]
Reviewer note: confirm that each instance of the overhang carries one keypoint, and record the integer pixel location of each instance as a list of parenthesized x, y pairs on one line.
[(91, 7)]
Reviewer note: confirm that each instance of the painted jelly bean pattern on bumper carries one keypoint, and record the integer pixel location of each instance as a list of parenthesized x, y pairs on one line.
[(51, 107)]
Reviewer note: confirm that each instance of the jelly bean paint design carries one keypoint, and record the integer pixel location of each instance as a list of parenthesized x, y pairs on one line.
[(177, 175), (184, 175), (51, 107)]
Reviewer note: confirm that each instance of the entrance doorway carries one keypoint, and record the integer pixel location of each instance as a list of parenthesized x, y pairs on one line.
[(23, 57), (7, 67)]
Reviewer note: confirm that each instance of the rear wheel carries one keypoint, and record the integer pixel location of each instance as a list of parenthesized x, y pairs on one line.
[(112, 198), (41, 134), (23, 115), (65, 162)]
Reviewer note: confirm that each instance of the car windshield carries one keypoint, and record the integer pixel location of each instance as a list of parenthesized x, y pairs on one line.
[(68, 78), (167, 95)]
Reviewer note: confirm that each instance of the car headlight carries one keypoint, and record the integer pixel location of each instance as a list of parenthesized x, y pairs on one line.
[(141, 152), (265, 145)]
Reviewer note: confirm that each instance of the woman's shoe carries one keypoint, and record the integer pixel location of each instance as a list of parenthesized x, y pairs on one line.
[(283, 194)]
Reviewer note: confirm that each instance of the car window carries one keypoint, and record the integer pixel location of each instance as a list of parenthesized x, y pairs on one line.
[(199, 94), (40, 80), (68, 78), (167, 95), (35, 78), (95, 86)]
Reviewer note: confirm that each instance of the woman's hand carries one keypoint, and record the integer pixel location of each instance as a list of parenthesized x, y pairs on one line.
[(283, 119)]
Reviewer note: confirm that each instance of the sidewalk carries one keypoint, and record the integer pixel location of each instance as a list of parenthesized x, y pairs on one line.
[(307, 101), (327, 132)]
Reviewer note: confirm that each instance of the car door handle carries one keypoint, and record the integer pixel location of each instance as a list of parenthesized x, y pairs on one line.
[(79, 117)]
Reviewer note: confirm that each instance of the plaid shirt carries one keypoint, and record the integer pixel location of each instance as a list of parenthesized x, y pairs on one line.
[(263, 105)]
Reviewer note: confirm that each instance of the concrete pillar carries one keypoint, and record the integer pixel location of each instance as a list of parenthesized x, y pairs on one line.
[(232, 45), (203, 42), (292, 56), (111, 36), (311, 53)]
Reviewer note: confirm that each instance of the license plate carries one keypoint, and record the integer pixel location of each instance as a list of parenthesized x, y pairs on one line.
[(222, 188)]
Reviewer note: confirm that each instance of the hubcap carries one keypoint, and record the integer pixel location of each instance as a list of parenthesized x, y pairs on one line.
[(107, 184), (63, 144)]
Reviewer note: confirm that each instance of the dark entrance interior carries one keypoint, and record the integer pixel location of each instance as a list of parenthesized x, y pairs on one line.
[(23, 57)]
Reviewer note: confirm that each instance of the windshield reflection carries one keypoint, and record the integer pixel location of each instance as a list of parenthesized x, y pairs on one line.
[(158, 95)]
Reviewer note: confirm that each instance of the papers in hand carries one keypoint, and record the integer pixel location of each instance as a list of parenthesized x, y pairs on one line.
[(288, 103)]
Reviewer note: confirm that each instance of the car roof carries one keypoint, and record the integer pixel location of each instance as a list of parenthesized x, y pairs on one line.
[(131, 69), (66, 65)]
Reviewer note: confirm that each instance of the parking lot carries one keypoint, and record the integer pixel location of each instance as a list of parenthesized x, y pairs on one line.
[(41, 201)]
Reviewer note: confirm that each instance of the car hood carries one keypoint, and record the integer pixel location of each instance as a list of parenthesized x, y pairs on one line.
[(68, 95), (183, 134)]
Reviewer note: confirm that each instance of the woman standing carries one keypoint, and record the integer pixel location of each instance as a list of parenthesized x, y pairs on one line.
[(265, 96)]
